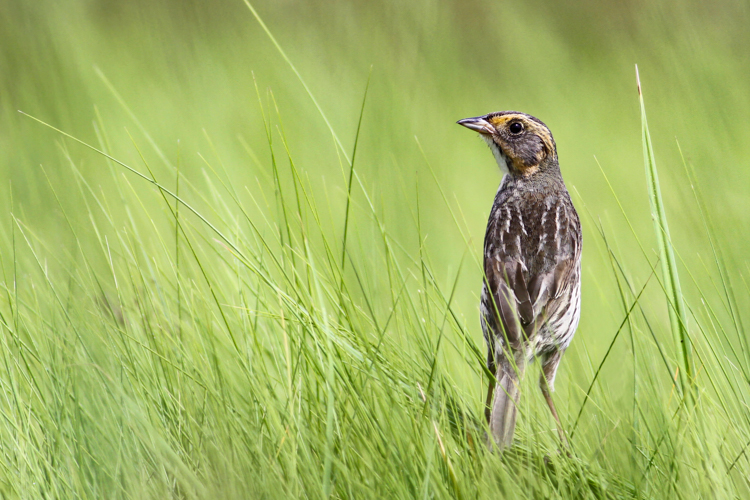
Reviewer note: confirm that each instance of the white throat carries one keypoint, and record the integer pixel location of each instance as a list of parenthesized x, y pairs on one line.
[(502, 162)]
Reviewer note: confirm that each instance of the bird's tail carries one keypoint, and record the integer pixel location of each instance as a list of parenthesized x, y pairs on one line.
[(505, 400)]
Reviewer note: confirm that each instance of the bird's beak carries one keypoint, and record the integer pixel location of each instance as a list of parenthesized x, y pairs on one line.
[(478, 124)]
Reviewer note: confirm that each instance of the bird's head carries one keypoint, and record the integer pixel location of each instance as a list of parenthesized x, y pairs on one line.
[(521, 144)]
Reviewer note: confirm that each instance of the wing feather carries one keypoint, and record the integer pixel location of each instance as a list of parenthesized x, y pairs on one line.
[(522, 283)]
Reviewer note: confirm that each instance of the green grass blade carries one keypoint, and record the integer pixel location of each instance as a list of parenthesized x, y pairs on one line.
[(676, 308)]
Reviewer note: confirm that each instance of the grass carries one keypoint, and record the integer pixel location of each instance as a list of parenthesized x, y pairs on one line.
[(291, 310), (672, 288)]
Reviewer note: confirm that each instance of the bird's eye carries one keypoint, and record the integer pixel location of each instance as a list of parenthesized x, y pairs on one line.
[(516, 128)]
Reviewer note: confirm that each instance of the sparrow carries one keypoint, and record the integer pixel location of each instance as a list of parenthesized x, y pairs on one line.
[(531, 295)]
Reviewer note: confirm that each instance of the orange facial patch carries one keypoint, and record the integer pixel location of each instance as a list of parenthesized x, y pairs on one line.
[(530, 125), (525, 164), (500, 121)]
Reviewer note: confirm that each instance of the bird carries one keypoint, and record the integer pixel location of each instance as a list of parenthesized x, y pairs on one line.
[(531, 295)]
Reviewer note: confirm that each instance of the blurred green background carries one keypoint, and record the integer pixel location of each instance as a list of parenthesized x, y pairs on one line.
[(186, 67), (183, 75)]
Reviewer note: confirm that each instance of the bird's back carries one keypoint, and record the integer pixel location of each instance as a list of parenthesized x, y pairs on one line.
[(532, 256)]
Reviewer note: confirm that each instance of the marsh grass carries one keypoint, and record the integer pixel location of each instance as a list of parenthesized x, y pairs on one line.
[(193, 337)]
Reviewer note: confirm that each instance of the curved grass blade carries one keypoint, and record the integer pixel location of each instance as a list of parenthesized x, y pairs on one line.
[(676, 309)]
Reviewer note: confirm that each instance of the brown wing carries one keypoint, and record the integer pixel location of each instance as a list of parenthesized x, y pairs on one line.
[(529, 260), (506, 288)]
